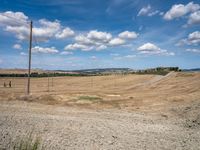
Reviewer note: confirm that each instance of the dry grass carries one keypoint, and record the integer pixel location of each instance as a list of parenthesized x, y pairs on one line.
[(117, 91)]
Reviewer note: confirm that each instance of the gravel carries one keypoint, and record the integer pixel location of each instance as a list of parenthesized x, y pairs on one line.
[(77, 128)]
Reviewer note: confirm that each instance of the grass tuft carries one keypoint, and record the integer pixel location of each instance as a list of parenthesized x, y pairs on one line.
[(28, 143), (90, 98)]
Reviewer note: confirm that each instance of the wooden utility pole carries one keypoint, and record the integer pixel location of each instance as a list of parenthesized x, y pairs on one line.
[(29, 64)]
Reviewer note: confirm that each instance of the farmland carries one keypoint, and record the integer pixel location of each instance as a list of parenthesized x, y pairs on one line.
[(104, 112), (123, 90)]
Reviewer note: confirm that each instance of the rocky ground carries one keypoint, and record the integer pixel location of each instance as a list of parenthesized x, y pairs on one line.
[(77, 128)]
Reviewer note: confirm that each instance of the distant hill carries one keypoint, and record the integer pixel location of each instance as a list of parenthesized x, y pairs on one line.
[(85, 72), (46, 73), (194, 69), (104, 70), (20, 71)]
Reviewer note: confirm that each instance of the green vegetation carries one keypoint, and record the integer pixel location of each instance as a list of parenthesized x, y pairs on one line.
[(28, 143), (90, 98), (158, 70), (152, 72), (40, 75)]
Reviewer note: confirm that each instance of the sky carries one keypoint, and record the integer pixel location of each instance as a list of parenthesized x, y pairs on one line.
[(86, 34)]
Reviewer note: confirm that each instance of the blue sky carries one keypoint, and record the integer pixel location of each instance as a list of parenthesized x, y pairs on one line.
[(80, 34)]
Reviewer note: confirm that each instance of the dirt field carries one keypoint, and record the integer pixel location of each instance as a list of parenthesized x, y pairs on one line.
[(104, 112)]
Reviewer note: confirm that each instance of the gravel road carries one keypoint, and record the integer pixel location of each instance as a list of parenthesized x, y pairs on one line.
[(73, 128)]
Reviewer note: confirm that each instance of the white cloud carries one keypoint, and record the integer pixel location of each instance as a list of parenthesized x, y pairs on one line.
[(179, 10), (148, 46), (13, 18), (192, 39), (46, 50), (17, 46), (128, 35), (153, 13), (21, 32), (81, 39), (101, 47), (23, 54), (77, 46), (193, 50), (144, 11), (66, 53), (194, 18), (65, 33), (148, 11), (1, 61), (99, 36), (92, 40), (43, 29), (116, 42), (98, 40), (152, 49), (46, 30)]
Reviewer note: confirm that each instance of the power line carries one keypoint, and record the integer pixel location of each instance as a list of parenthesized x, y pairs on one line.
[(48, 80)]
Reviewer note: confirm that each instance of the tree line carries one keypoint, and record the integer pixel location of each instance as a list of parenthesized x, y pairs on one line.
[(40, 75)]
